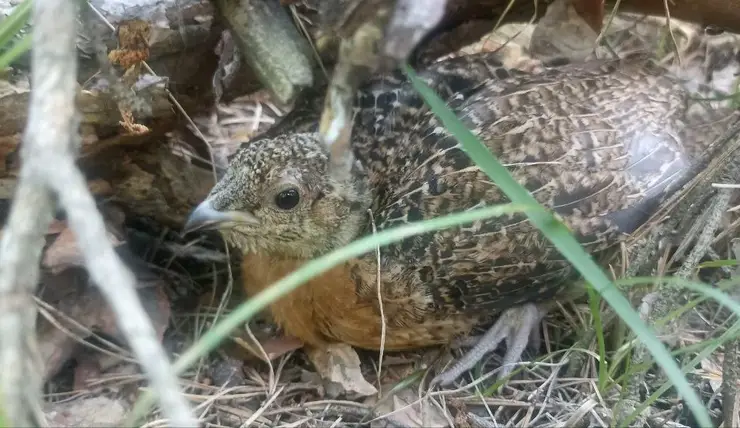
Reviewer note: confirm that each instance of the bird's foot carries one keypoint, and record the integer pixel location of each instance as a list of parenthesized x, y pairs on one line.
[(518, 326)]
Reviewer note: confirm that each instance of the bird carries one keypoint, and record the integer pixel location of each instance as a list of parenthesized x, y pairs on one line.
[(599, 143)]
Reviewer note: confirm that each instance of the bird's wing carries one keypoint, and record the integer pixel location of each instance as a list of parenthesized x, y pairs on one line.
[(598, 145)]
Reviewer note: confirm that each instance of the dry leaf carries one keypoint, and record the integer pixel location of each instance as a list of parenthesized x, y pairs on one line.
[(63, 253), (86, 412), (339, 368), (273, 347), (712, 372), (405, 409), (77, 300), (563, 32), (511, 44)]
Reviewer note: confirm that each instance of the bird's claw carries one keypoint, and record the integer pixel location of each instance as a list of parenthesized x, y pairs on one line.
[(518, 326)]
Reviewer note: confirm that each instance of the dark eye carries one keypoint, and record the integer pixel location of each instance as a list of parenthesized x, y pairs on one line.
[(287, 199)]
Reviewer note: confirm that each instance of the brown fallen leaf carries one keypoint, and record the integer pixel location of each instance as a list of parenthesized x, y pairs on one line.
[(406, 409), (274, 347), (510, 42), (9, 144), (80, 312), (339, 368), (63, 253), (156, 304), (79, 309)]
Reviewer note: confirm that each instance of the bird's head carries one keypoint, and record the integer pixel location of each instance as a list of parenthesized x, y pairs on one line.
[(278, 197)]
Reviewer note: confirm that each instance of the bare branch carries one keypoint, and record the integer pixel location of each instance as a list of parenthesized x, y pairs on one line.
[(20, 251), (51, 121), (48, 156)]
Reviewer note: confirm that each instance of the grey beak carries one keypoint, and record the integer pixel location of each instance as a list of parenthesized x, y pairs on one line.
[(205, 217)]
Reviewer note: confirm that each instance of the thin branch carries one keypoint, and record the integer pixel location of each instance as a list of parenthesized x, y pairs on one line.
[(50, 121), (383, 321), (20, 253)]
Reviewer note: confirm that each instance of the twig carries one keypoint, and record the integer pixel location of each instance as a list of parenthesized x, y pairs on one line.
[(704, 241), (20, 252), (271, 383), (726, 185), (670, 31), (49, 164), (383, 324), (50, 120)]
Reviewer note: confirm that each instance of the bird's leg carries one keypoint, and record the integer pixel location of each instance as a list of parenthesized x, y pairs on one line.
[(516, 325), (470, 341)]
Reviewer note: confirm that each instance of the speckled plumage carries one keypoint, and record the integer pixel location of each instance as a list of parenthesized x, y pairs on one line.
[(601, 143)]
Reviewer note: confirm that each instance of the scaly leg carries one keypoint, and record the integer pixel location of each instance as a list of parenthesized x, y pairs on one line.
[(518, 326)]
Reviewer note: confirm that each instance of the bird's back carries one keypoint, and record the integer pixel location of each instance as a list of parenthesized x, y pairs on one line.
[(601, 143)]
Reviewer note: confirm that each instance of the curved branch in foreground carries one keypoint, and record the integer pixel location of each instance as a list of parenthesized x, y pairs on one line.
[(48, 155)]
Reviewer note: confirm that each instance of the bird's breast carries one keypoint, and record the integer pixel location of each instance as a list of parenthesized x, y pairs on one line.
[(328, 309)]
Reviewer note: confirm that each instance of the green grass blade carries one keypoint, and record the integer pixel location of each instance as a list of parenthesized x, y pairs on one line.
[(13, 23), (312, 269), (562, 239), (18, 49), (717, 264)]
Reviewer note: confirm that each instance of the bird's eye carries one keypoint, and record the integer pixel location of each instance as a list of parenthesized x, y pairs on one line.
[(287, 199)]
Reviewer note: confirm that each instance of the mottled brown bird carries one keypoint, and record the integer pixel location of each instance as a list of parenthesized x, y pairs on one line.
[(599, 143)]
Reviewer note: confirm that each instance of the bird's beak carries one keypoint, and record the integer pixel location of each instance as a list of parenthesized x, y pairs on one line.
[(205, 217)]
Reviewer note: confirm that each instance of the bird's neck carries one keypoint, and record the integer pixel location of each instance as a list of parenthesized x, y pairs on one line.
[(355, 196)]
